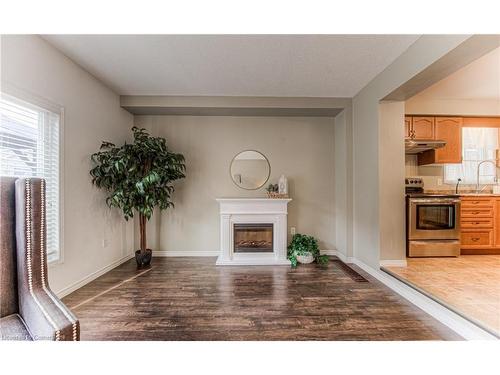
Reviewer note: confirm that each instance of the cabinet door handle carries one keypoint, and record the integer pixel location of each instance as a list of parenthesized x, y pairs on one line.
[(475, 239)]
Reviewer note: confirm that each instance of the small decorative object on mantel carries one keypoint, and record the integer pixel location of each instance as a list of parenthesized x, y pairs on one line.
[(273, 192), (283, 185)]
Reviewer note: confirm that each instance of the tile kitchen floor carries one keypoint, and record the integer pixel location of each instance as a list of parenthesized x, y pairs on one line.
[(469, 284)]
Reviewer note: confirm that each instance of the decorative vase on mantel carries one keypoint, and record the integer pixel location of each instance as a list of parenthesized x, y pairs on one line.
[(283, 186)]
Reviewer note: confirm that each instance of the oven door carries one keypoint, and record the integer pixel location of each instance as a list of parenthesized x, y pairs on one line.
[(434, 219)]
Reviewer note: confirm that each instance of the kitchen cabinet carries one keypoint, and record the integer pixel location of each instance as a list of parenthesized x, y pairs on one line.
[(497, 223), (448, 129), (480, 224), (476, 241), (422, 128)]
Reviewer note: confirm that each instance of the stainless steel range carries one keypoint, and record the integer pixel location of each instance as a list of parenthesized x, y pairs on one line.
[(432, 222)]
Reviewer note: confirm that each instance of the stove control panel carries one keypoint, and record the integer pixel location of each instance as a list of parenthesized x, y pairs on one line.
[(414, 182)]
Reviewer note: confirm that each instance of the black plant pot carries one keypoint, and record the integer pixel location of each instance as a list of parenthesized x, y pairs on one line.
[(143, 259)]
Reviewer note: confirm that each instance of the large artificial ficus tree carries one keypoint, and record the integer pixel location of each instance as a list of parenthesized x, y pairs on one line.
[(138, 176)]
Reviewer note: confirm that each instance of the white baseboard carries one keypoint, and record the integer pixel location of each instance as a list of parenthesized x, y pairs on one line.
[(214, 253), (169, 253), (393, 263), (328, 252), (253, 262), (94, 275), (455, 322), (338, 254), (210, 253)]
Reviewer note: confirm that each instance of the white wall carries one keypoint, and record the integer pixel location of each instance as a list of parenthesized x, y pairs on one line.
[(452, 107), (341, 190), (343, 182), (392, 172), (302, 148), (92, 113), (473, 90)]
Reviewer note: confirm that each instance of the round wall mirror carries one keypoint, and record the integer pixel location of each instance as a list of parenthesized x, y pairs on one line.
[(250, 170)]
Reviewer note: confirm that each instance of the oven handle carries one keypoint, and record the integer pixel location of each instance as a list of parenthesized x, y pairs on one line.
[(435, 201)]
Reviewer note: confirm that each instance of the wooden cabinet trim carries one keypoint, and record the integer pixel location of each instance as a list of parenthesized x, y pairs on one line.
[(481, 122), (497, 223), (477, 197)]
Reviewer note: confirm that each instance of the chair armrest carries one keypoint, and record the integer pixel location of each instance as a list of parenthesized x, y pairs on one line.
[(46, 317)]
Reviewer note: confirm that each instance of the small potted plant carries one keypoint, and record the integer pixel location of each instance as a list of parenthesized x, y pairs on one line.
[(138, 177), (304, 249)]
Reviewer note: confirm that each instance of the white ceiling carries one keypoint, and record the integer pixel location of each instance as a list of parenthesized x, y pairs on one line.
[(478, 80), (234, 65)]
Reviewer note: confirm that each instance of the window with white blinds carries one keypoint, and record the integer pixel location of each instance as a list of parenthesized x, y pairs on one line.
[(478, 144), (29, 147)]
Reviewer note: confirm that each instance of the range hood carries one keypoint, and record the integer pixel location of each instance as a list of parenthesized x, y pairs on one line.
[(414, 146)]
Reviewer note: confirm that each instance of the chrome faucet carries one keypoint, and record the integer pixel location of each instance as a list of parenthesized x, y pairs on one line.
[(478, 170)]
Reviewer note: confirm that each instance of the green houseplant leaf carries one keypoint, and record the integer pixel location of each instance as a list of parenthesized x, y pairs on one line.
[(138, 177), (301, 245)]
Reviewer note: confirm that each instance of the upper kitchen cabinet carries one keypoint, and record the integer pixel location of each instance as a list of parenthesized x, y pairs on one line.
[(422, 128), (449, 129)]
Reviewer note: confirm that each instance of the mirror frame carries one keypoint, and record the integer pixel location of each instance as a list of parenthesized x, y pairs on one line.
[(268, 174)]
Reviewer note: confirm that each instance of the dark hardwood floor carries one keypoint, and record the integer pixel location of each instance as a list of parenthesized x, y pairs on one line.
[(192, 299)]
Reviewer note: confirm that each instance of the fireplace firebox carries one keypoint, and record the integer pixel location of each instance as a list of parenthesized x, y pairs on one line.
[(253, 238)]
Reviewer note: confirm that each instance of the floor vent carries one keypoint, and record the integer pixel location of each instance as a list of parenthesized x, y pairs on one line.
[(349, 271)]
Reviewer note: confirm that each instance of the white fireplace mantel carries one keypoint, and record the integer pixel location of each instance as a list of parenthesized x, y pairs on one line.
[(254, 211)]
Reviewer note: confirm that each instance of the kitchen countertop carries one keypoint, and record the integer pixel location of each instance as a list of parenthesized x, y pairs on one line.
[(478, 195), (462, 193)]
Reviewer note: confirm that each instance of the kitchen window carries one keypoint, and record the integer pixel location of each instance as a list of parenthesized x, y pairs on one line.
[(29, 147), (478, 144)]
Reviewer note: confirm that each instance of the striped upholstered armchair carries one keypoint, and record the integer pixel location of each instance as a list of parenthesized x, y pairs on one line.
[(29, 310)]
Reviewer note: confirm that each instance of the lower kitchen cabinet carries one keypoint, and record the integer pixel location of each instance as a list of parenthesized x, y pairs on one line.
[(497, 222), (480, 225), (477, 239)]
